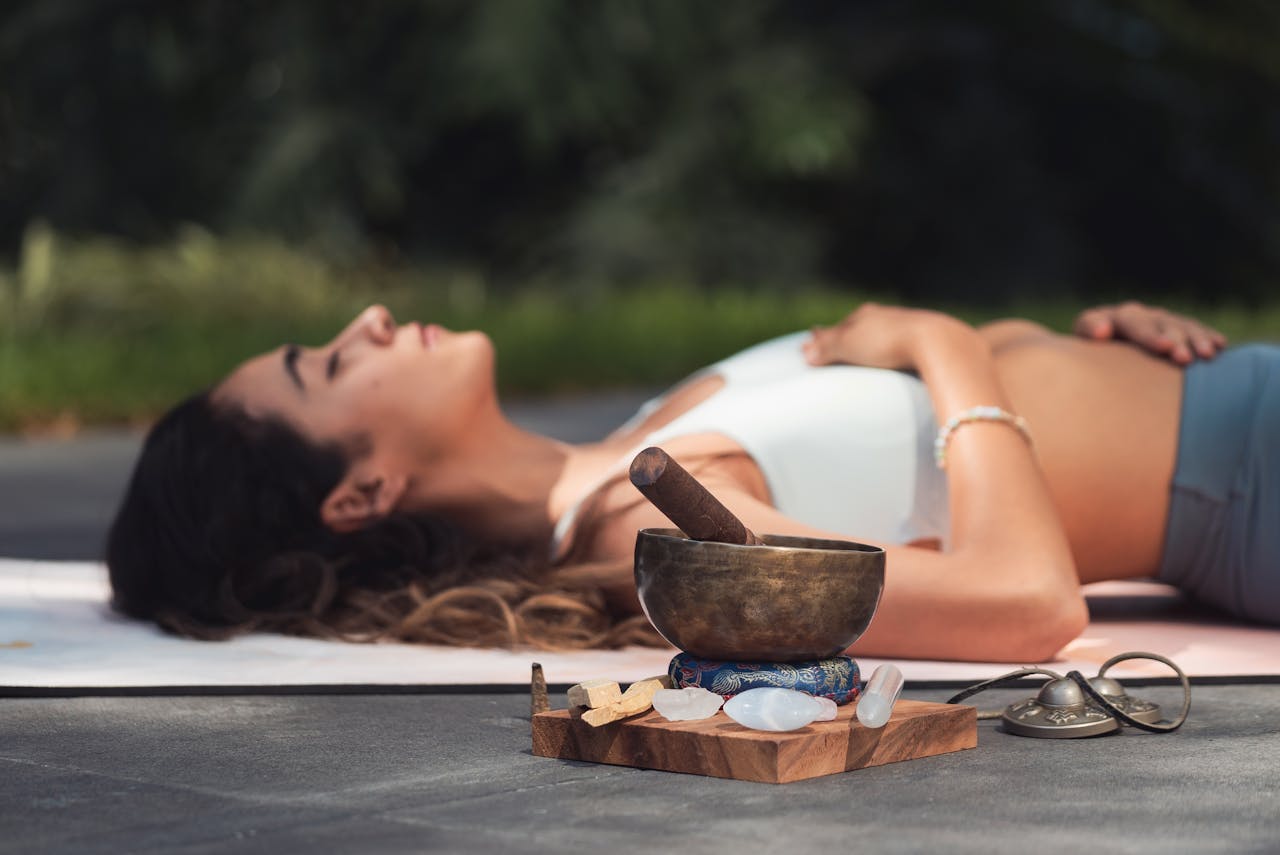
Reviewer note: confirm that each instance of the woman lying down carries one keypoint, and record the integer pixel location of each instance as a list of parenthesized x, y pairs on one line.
[(373, 488)]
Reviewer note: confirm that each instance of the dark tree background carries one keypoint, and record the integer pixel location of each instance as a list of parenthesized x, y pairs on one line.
[(983, 151)]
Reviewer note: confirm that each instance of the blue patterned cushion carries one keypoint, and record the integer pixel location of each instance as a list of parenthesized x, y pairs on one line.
[(836, 678)]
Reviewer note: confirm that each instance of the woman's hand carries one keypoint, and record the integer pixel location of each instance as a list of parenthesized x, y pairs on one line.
[(876, 336), (1164, 333)]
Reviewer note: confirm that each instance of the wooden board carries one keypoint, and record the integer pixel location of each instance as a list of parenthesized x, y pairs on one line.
[(720, 747)]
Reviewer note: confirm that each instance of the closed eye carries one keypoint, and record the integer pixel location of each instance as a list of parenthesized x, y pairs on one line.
[(331, 367)]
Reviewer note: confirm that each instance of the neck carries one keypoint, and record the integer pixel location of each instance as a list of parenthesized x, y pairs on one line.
[(507, 484)]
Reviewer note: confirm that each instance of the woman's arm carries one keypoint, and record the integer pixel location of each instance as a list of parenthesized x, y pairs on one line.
[(1006, 588)]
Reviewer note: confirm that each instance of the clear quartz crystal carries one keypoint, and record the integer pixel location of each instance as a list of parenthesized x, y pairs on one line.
[(879, 695), (687, 704), (778, 709)]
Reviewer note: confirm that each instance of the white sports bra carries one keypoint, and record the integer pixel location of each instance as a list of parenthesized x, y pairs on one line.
[(842, 448)]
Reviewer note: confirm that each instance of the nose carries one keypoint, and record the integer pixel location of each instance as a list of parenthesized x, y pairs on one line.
[(378, 324), (374, 324)]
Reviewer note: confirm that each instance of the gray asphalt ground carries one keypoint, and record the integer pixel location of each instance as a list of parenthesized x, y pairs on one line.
[(453, 772)]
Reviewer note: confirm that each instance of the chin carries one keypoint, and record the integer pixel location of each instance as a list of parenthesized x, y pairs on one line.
[(478, 347), (475, 359), (477, 338)]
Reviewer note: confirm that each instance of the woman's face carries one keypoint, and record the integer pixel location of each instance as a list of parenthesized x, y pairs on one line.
[(403, 389)]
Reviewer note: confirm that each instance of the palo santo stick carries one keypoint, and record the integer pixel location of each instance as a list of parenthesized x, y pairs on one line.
[(594, 694), (604, 715), (639, 695), (637, 699)]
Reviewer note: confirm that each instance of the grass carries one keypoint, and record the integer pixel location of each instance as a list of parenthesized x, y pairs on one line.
[(99, 331)]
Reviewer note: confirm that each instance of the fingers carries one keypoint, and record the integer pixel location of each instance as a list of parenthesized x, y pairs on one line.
[(1174, 344), (1180, 338), (1154, 329), (1205, 340), (818, 347), (1187, 341), (1176, 337), (1095, 324), (823, 345)]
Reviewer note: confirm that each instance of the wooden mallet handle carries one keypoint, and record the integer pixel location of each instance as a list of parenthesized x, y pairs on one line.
[(686, 503)]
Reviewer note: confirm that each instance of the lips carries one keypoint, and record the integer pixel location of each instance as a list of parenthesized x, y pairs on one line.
[(430, 334)]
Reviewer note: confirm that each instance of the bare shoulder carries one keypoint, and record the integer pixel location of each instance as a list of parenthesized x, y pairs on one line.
[(619, 511)]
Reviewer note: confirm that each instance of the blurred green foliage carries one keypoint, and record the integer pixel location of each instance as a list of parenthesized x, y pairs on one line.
[(973, 152), (103, 330), (618, 191)]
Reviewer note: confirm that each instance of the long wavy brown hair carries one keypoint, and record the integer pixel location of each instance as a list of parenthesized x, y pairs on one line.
[(219, 534)]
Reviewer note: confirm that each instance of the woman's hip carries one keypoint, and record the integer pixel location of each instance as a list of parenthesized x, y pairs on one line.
[(1222, 544)]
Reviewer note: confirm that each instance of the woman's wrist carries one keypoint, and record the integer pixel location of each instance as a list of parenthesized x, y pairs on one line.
[(957, 366), (972, 415), (942, 338)]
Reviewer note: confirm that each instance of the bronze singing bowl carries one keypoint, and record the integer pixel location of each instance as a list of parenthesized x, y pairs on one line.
[(794, 598)]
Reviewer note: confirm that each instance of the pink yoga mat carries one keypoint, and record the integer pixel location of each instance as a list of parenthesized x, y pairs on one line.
[(56, 631)]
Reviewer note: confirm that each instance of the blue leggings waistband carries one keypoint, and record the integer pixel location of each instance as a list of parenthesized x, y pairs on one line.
[(1222, 545)]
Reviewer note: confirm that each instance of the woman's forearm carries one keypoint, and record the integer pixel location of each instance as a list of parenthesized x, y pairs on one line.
[(1005, 586), (1000, 505)]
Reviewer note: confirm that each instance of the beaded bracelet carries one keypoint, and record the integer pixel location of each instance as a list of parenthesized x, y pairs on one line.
[(975, 414)]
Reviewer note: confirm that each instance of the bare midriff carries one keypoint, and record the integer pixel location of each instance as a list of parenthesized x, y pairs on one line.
[(1105, 421)]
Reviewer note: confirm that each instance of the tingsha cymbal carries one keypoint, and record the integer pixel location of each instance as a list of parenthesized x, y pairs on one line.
[(1059, 711)]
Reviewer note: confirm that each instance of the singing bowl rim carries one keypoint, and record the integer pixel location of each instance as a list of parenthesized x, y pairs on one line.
[(813, 633), (793, 542)]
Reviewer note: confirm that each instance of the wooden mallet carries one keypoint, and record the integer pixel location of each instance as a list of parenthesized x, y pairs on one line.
[(688, 504)]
